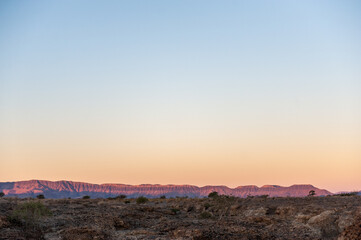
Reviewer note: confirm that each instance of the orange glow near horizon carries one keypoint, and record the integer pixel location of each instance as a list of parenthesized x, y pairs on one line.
[(176, 161)]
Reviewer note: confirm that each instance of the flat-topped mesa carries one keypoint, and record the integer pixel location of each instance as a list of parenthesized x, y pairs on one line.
[(253, 187), (65, 189), (302, 186), (270, 186)]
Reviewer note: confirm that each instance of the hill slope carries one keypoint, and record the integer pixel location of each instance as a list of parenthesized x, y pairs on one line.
[(65, 189)]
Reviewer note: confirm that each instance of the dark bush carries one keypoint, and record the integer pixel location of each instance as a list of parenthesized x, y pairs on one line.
[(207, 205), (86, 197), (40, 196), (163, 197), (175, 211), (262, 196), (213, 195), (205, 215), (29, 213), (347, 194), (2, 194), (142, 200)]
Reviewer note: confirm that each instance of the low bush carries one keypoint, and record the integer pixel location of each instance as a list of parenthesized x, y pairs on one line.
[(142, 200), (40, 196), (29, 213), (207, 205), (175, 211), (86, 197), (213, 195), (205, 215)]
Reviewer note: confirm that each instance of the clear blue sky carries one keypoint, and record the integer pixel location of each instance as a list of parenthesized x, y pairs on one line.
[(224, 84)]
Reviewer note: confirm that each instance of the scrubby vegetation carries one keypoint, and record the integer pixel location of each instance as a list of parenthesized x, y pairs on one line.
[(119, 197), (222, 217), (28, 215), (348, 194), (142, 200)]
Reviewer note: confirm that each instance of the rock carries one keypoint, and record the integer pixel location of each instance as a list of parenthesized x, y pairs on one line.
[(255, 212), (352, 232), (83, 233), (303, 218), (284, 211), (321, 218), (325, 223), (4, 223), (120, 224), (344, 221), (187, 233)]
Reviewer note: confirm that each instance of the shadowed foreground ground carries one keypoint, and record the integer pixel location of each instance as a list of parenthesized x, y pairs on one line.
[(332, 217)]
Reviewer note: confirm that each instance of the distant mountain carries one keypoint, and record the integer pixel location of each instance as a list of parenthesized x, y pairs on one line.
[(65, 189)]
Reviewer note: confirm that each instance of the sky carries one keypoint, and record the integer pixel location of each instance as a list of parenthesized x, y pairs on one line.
[(181, 92)]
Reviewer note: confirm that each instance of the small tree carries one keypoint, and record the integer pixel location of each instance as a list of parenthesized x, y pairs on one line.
[(163, 197), (40, 196), (122, 196), (311, 193), (86, 197), (2, 194), (213, 195)]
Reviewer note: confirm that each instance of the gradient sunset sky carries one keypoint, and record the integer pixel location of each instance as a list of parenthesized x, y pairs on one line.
[(181, 92)]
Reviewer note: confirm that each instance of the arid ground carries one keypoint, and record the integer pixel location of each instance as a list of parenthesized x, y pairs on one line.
[(332, 217)]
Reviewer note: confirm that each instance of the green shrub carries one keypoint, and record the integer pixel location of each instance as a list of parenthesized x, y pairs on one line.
[(29, 213), (213, 195), (126, 201), (163, 197), (142, 200), (205, 215), (28, 216), (86, 197), (2, 194)]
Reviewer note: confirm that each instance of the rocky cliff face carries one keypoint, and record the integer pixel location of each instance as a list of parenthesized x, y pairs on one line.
[(65, 189)]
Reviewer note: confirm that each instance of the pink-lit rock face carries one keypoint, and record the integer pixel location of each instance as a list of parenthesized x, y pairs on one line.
[(64, 189)]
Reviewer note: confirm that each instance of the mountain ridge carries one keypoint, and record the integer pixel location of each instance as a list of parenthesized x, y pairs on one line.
[(65, 189)]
